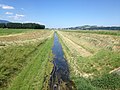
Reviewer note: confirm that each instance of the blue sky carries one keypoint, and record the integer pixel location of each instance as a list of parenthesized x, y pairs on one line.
[(62, 13)]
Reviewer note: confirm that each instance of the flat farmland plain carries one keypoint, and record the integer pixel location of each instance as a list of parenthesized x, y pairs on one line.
[(93, 57), (25, 59)]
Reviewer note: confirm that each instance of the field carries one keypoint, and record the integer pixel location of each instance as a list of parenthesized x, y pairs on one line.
[(93, 57), (13, 31), (105, 32), (25, 59)]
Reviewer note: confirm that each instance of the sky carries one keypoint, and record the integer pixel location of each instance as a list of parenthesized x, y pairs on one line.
[(62, 13)]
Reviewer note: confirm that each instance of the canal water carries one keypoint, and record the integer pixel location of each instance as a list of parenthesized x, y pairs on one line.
[(59, 79)]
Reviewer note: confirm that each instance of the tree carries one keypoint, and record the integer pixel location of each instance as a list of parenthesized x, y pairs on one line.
[(2, 25)]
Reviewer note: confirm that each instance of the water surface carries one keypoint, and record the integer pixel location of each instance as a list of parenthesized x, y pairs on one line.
[(60, 75)]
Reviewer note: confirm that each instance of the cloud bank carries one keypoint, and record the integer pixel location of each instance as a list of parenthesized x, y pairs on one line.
[(6, 6), (17, 16), (9, 13)]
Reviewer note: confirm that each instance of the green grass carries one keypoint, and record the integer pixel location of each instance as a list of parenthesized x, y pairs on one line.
[(104, 32), (32, 76), (83, 83), (105, 60), (26, 67), (104, 82), (107, 81), (13, 31), (13, 59), (100, 64)]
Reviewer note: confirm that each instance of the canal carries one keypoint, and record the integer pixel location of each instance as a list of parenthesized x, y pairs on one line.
[(59, 79)]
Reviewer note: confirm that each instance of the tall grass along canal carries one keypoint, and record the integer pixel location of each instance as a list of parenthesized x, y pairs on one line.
[(59, 79)]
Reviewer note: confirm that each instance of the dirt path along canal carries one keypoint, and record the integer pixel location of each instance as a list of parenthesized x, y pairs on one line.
[(59, 79)]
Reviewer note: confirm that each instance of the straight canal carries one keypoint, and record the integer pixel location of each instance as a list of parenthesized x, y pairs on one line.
[(59, 79)]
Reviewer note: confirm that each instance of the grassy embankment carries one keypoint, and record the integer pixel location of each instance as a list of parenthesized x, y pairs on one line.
[(26, 65), (92, 58)]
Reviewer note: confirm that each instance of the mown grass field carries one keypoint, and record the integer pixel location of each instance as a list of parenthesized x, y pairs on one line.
[(13, 31), (105, 32), (25, 60), (93, 57)]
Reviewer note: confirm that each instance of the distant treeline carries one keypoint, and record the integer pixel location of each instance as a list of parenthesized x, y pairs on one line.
[(88, 27), (22, 26), (97, 28)]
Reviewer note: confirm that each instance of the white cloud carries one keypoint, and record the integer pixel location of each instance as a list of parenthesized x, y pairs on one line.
[(17, 16), (22, 8), (33, 22), (6, 6), (9, 13)]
